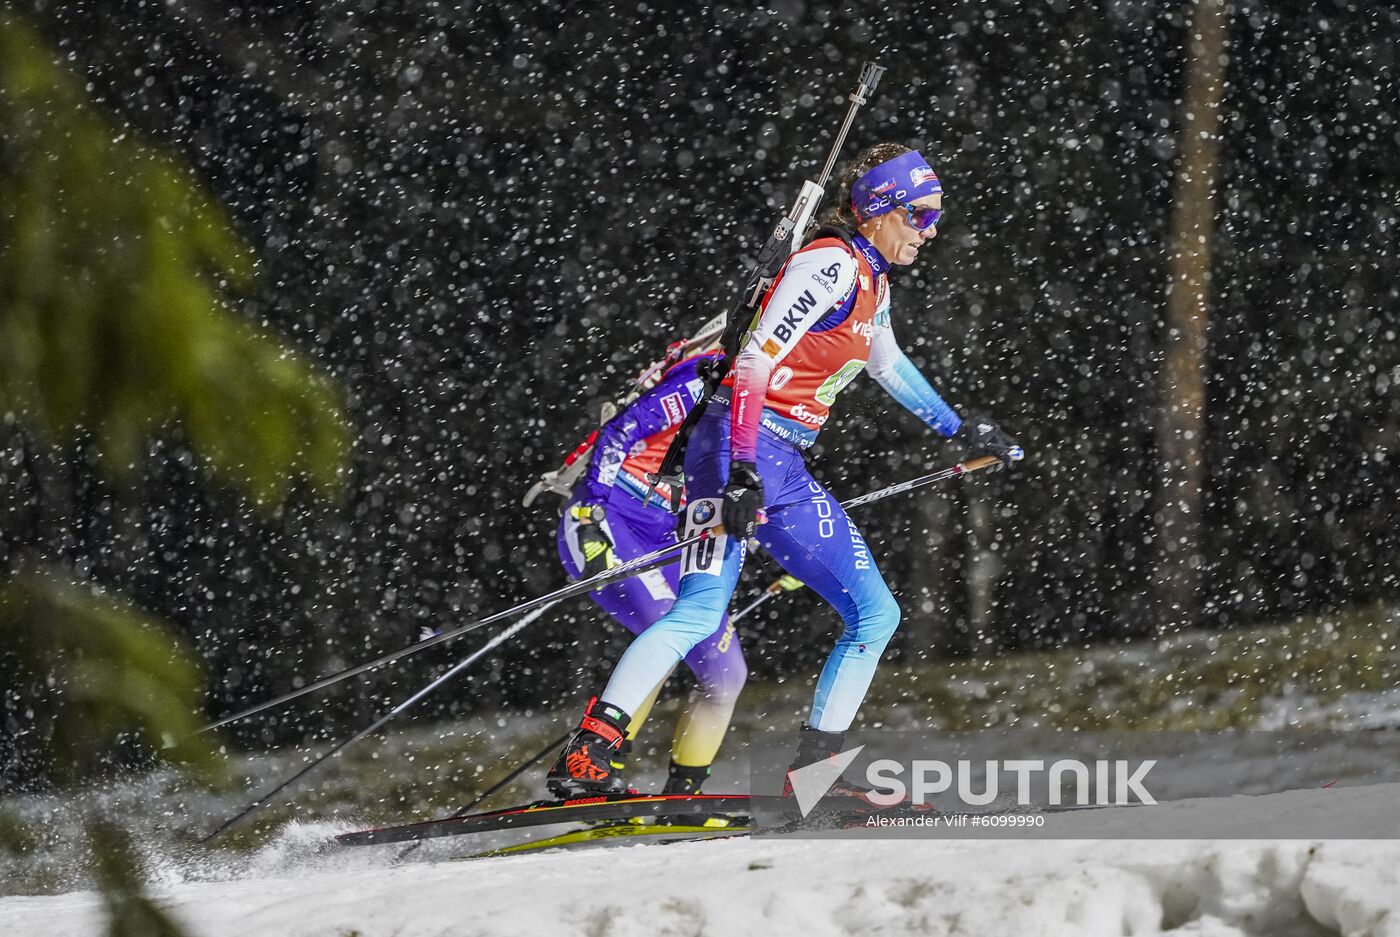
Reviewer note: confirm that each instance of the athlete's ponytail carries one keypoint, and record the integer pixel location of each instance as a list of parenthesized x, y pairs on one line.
[(842, 215)]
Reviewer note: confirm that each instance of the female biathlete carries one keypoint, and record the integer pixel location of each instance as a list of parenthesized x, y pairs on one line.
[(825, 319), (613, 516)]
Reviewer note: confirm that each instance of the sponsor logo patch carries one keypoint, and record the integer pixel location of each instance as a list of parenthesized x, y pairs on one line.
[(800, 412), (674, 408), (921, 174), (795, 314), (826, 277), (771, 348)]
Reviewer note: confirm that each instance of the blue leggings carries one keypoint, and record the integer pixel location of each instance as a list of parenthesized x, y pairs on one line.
[(808, 534), (717, 662)]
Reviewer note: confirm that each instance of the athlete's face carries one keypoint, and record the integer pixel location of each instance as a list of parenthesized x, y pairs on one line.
[(895, 238)]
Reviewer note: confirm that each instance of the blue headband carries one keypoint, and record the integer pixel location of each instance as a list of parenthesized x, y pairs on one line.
[(893, 183)]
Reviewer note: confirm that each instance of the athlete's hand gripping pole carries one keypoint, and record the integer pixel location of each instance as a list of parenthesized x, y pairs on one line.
[(981, 434)]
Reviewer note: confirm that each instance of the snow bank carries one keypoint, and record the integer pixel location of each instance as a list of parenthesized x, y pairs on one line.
[(810, 887)]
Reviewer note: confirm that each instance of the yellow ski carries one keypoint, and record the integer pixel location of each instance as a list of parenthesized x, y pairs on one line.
[(661, 833)]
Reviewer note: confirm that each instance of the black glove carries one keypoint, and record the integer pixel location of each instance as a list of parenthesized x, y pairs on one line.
[(980, 434), (597, 549), (743, 497)]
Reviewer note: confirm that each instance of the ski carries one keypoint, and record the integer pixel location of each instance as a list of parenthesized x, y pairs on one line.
[(542, 813), (618, 807), (655, 834)]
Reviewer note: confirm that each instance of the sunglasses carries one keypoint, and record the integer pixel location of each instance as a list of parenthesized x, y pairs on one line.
[(920, 218)]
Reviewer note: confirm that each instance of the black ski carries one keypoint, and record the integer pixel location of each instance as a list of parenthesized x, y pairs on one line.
[(835, 813), (542, 813)]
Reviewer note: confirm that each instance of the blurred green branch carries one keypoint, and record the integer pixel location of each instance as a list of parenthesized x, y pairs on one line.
[(131, 913), (113, 264), (108, 670)]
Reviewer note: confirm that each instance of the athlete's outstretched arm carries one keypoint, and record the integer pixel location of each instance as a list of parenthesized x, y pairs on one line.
[(815, 280), (892, 370)]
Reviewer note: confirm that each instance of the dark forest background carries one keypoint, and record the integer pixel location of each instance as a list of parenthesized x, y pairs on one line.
[(483, 219)]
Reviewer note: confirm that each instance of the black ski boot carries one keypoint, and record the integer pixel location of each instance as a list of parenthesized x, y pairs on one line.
[(585, 766), (844, 799), (619, 757), (687, 779), (684, 779), (815, 746)]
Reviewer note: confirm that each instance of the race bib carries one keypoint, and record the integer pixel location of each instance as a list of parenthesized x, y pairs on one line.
[(707, 556)]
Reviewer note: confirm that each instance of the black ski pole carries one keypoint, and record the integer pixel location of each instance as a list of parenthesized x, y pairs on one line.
[(784, 583), (631, 568), (641, 564), (529, 763), (962, 468), (520, 769), (451, 672), (538, 607)]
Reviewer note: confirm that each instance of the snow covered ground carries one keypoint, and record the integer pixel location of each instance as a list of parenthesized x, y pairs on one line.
[(1104, 886)]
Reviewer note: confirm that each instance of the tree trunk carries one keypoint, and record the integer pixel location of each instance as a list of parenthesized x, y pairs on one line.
[(982, 566), (1182, 430), (933, 631)]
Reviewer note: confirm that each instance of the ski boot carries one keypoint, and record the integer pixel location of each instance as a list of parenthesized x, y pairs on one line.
[(619, 757), (685, 779), (814, 747), (585, 766), (618, 760)]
